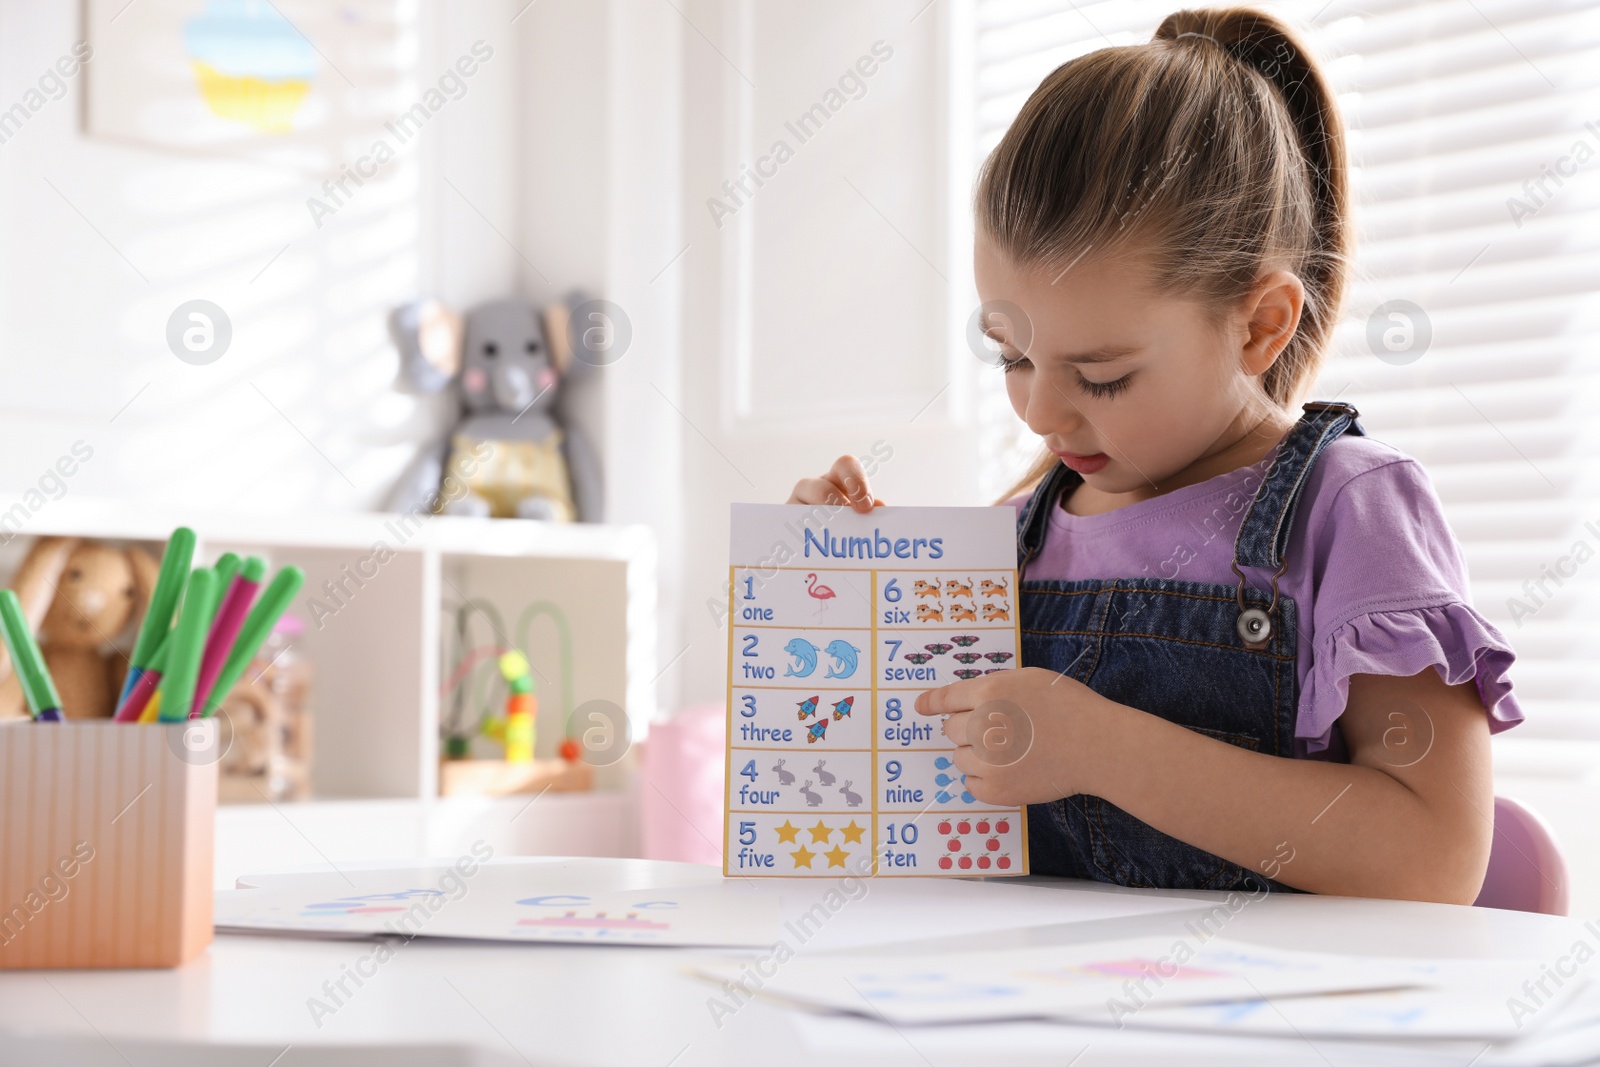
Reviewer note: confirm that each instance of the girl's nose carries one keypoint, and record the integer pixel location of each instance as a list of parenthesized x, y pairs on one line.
[(1049, 411)]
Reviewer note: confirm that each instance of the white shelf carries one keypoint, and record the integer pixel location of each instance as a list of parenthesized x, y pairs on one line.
[(377, 657)]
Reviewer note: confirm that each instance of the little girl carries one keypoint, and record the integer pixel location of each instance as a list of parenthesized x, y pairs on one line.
[(1248, 653)]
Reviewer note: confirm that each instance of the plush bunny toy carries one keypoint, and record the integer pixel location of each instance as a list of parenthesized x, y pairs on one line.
[(509, 456), (79, 597)]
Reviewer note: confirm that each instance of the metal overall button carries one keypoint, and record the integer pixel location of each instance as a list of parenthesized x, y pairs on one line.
[(1255, 624)]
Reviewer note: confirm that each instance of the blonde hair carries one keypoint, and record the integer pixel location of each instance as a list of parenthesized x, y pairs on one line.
[(1216, 149)]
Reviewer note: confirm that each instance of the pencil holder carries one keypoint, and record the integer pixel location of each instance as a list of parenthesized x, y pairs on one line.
[(106, 835)]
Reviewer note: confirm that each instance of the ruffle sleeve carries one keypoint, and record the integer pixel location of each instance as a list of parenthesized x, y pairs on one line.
[(1452, 638)]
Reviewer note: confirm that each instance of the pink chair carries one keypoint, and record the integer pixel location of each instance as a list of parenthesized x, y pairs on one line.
[(1526, 869)]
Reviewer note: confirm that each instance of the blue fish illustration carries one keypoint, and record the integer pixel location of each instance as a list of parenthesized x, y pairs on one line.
[(844, 656), (841, 708), (808, 707), (805, 654)]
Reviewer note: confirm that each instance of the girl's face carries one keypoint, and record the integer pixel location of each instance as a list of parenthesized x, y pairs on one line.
[(1129, 388)]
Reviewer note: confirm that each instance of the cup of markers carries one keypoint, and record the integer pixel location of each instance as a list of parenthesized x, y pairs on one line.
[(199, 633)]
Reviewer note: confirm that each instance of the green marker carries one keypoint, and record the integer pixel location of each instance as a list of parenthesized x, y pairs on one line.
[(188, 645), (226, 567), (163, 602), (285, 584), (37, 686)]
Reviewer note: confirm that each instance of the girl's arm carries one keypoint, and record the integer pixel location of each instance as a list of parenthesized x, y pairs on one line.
[(1410, 816)]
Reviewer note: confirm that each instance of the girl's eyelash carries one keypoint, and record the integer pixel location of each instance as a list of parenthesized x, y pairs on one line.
[(1098, 390), (1105, 390)]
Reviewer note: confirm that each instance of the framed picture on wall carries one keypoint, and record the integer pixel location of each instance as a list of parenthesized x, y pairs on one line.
[(292, 82)]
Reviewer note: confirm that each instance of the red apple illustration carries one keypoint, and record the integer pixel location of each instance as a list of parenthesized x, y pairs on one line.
[(954, 844), (944, 827), (965, 863), (1002, 827), (994, 844), (983, 862), (944, 862), (963, 827), (983, 826), (1004, 862)]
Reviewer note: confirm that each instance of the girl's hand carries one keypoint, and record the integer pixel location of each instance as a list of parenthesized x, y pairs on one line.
[(845, 483), (1022, 736)]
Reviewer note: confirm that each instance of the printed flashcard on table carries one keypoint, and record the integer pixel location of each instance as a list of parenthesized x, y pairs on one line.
[(837, 620)]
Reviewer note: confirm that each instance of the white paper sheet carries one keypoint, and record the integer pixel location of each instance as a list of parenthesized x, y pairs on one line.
[(1111, 982), (708, 916), (1470, 1004)]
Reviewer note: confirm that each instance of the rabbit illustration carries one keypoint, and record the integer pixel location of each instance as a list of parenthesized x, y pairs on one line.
[(825, 777), (813, 800), (851, 798), (784, 777)]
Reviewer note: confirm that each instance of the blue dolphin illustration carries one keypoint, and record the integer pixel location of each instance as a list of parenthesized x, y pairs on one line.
[(805, 654), (844, 655)]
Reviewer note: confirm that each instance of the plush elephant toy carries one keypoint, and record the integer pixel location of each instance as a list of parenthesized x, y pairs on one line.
[(509, 456)]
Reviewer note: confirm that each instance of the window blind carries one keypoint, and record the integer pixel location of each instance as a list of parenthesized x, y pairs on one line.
[(1474, 130)]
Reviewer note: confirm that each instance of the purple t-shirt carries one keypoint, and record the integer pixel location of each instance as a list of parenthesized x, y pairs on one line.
[(1378, 578)]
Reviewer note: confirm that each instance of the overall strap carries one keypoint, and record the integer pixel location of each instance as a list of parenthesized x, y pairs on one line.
[(1034, 519), (1264, 533)]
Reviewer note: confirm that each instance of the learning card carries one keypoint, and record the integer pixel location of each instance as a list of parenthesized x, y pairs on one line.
[(1119, 983), (837, 620), (498, 909)]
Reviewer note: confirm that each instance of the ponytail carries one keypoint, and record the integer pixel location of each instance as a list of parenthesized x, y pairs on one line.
[(1217, 146)]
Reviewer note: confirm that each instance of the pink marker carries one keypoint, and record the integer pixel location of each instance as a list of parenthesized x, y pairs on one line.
[(140, 694), (225, 629)]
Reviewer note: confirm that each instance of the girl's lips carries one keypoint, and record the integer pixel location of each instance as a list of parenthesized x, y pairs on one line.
[(1084, 464)]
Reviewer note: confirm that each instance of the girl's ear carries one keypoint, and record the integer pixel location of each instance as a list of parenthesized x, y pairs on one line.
[(1272, 313)]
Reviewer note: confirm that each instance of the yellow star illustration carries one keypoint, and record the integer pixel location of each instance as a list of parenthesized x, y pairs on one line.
[(803, 857), (836, 857), (852, 833), (819, 832), (786, 832)]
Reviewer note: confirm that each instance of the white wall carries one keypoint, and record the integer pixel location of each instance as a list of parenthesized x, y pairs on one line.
[(301, 413), (818, 315), (582, 155)]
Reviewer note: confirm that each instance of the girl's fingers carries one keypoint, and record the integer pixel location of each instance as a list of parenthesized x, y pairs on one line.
[(851, 479), (957, 696), (955, 728), (844, 484), (816, 491)]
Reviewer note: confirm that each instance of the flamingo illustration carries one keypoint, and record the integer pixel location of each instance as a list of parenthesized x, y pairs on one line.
[(819, 593)]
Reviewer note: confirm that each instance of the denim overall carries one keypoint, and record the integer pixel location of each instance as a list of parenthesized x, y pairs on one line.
[(1217, 659)]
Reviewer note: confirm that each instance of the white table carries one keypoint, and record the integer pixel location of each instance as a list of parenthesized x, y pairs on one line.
[(244, 1001)]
